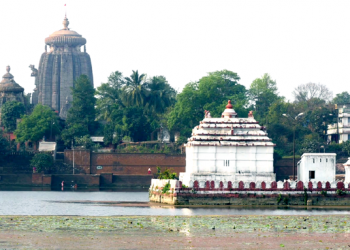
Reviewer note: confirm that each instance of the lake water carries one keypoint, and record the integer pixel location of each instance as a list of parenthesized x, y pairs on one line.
[(97, 204)]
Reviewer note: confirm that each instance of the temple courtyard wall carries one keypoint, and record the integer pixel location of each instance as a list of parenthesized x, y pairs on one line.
[(288, 193)]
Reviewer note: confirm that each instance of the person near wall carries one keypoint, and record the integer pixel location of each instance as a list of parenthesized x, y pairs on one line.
[(149, 171)]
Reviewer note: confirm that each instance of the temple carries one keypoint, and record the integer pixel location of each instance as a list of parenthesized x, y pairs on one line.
[(59, 67), (10, 90), (228, 149)]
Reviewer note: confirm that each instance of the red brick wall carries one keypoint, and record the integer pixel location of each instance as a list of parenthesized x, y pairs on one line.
[(16, 179), (123, 163), (81, 160), (80, 179), (135, 163)]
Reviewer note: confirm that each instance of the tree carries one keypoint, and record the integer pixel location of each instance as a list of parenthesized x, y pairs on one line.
[(131, 122), (210, 93), (263, 93), (161, 94), (342, 98), (42, 162), (10, 112), (43, 121), (4, 143), (308, 91), (110, 96), (81, 116), (135, 92)]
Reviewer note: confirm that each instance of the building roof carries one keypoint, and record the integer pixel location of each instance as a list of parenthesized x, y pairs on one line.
[(8, 84), (229, 131), (65, 36), (97, 138), (46, 146)]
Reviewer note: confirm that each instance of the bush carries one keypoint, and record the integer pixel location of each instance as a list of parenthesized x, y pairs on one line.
[(166, 188), (42, 162), (166, 175), (340, 192), (324, 192)]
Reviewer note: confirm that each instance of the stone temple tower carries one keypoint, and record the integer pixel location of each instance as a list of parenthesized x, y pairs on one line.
[(59, 66)]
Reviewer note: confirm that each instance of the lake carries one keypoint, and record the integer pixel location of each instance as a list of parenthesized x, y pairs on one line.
[(106, 203)]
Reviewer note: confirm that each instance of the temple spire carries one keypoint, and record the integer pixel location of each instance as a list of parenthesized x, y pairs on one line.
[(65, 23)]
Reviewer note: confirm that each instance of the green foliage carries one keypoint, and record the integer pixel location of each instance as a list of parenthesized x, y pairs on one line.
[(4, 147), (279, 199), (305, 196), (342, 98), (42, 162), (145, 149), (324, 192), (135, 90), (167, 175), (81, 116), (86, 142), (286, 200), (41, 122), (209, 93), (4, 143), (345, 146), (160, 95), (131, 122), (263, 93), (10, 112), (184, 186), (340, 192), (166, 188)]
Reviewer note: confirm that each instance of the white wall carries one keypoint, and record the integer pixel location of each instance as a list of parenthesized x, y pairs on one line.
[(322, 164), (229, 159)]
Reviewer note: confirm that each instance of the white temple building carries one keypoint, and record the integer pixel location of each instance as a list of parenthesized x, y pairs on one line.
[(228, 149), (317, 167)]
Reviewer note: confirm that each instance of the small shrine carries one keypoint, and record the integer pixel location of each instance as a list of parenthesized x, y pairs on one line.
[(10, 90), (229, 149)]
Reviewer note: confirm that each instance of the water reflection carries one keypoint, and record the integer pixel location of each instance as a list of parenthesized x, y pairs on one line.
[(106, 204)]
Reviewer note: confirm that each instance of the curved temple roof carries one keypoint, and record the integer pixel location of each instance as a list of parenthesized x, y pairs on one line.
[(229, 131)]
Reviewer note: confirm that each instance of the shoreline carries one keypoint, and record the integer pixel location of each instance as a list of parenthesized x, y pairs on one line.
[(175, 232)]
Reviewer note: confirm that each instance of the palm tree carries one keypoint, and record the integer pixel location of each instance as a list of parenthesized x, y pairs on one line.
[(134, 90), (161, 94), (109, 96)]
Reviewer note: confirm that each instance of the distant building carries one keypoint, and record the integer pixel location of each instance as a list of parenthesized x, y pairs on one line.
[(10, 90), (340, 131), (49, 147), (59, 67), (317, 167)]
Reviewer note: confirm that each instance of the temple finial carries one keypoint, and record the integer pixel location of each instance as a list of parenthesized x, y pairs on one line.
[(8, 68), (65, 22)]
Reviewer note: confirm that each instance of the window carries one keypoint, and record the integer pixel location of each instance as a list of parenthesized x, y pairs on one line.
[(311, 175), (326, 159), (320, 160), (313, 160), (226, 163)]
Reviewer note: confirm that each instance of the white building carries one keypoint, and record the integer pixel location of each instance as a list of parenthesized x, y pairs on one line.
[(342, 129), (228, 149), (347, 171), (317, 167)]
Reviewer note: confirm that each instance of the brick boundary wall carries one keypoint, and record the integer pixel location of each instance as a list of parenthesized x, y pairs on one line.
[(87, 162)]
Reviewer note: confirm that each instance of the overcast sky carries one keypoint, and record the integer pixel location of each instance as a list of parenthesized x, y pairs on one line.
[(296, 42)]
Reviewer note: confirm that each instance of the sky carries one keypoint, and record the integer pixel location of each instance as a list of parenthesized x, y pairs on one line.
[(296, 42)]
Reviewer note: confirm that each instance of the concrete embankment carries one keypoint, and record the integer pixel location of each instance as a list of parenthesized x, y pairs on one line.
[(251, 193)]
